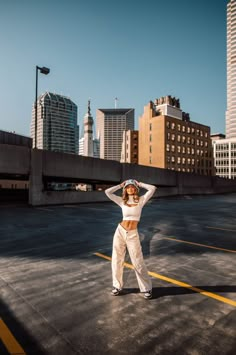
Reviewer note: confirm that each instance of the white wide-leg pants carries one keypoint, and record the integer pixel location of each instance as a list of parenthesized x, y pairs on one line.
[(130, 239)]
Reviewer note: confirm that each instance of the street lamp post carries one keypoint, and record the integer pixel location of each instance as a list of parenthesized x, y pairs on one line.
[(45, 71)]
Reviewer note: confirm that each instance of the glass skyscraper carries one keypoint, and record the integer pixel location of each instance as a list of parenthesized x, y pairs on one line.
[(57, 128)]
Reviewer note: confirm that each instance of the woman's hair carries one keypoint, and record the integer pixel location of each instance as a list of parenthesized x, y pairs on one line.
[(125, 196)]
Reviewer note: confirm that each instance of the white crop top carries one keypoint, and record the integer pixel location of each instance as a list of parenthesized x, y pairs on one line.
[(131, 213)]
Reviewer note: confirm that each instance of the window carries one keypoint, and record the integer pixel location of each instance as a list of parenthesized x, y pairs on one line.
[(150, 149), (179, 138), (167, 147), (168, 136), (183, 160), (150, 138), (188, 130), (179, 127), (183, 139), (172, 159), (172, 125), (178, 160), (173, 148), (173, 137), (150, 126), (179, 149), (167, 124)]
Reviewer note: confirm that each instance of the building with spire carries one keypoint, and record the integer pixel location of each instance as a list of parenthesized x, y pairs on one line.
[(88, 145), (88, 133)]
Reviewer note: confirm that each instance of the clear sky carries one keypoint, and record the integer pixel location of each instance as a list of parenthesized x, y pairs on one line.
[(101, 49)]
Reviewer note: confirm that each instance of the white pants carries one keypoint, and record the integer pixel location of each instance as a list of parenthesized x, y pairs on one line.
[(129, 239)]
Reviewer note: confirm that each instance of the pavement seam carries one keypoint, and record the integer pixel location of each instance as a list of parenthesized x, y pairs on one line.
[(198, 244), (60, 334)]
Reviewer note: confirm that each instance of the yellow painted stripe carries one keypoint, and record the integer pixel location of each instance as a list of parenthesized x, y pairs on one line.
[(179, 283), (199, 244), (9, 341), (222, 229)]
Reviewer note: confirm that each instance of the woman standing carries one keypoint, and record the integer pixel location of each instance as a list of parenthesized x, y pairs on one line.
[(126, 235)]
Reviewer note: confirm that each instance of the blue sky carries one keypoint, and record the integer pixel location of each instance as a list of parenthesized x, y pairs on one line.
[(102, 49)]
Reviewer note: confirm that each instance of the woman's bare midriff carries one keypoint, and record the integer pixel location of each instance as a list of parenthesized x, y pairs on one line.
[(129, 225)]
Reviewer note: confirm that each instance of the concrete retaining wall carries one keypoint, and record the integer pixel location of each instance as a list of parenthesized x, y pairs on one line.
[(14, 160)]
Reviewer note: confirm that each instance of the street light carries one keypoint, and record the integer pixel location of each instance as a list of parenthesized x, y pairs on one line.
[(45, 71)]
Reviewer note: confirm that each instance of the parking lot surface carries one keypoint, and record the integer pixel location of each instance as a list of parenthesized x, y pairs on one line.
[(55, 279)]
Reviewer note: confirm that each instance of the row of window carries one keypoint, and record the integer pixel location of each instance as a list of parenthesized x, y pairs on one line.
[(192, 130), (220, 147), (185, 150), (188, 161), (225, 162), (192, 170), (225, 170), (187, 140)]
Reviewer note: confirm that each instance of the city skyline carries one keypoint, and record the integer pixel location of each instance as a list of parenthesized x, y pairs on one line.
[(103, 50)]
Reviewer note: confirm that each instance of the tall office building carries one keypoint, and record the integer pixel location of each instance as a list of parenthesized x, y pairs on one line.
[(169, 139), (231, 70), (110, 126), (224, 150), (57, 128)]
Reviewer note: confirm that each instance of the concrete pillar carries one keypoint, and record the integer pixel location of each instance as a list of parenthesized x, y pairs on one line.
[(36, 182)]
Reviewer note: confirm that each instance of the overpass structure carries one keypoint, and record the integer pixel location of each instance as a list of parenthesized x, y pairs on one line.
[(41, 167)]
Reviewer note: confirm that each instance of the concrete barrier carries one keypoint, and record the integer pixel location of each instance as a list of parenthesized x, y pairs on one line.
[(79, 167), (41, 166)]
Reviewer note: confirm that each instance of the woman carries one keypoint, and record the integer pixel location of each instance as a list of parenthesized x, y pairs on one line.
[(126, 235)]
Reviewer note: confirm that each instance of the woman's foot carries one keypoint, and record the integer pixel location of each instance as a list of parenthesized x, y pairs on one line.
[(148, 295), (116, 291)]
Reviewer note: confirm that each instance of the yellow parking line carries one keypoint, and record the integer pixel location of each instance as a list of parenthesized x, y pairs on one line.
[(179, 283), (223, 229), (199, 244), (9, 341)]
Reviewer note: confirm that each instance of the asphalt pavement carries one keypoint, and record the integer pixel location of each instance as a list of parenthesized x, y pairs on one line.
[(55, 279)]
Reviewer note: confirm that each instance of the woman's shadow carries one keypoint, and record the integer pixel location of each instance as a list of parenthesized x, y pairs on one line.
[(146, 239), (158, 292)]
